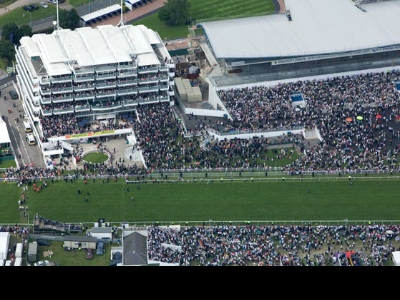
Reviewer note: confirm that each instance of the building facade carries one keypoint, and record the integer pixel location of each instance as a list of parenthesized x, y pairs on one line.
[(88, 82)]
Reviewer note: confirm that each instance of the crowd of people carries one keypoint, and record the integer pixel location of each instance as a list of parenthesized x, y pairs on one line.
[(305, 245)]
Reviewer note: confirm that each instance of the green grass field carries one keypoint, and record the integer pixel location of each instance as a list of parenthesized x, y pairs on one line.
[(21, 17), (261, 200), (208, 10), (95, 157)]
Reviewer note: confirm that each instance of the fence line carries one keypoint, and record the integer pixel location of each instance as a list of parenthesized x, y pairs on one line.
[(133, 225)]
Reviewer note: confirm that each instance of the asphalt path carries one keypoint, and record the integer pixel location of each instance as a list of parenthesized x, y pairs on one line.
[(39, 25), (11, 111)]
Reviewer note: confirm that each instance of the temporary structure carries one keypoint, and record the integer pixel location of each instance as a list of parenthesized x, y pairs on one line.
[(396, 258)]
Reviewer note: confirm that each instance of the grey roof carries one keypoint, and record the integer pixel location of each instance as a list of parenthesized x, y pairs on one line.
[(101, 230), (79, 238), (135, 250), (317, 27)]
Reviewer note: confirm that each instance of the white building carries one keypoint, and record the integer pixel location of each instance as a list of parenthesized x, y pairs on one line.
[(4, 244), (90, 76)]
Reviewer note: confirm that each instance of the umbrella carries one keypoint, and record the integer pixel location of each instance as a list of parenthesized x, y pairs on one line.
[(378, 116), (389, 231), (349, 119), (360, 118)]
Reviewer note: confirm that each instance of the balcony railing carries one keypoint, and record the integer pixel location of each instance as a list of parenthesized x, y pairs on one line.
[(83, 87), (106, 84), (62, 90), (148, 70), (61, 79), (126, 92), (106, 76), (128, 66), (45, 91), (47, 112), (85, 96), (106, 68), (65, 98), (84, 78), (106, 94), (82, 108), (45, 100), (127, 82), (127, 73), (60, 111)]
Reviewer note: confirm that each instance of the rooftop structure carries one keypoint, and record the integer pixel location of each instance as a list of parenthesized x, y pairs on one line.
[(311, 32)]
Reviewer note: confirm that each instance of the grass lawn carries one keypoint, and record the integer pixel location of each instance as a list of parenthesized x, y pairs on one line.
[(261, 200), (95, 157), (7, 164), (165, 32), (207, 10), (17, 15), (74, 258)]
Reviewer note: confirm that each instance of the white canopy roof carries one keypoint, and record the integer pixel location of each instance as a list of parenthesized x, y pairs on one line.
[(317, 27), (86, 46), (4, 136)]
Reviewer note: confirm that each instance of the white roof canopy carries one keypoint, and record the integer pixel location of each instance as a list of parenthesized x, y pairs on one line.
[(4, 136), (86, 46), (317, 27)]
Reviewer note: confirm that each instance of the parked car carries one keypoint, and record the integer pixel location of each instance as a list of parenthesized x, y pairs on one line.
[(13, 94), (89, 254), (41, 263), (100, 248), (28, 8), (34, 6), (43, 4), (43, 242)]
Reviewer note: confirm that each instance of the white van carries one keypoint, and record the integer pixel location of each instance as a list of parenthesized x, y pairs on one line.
[(27, 126), (18, 250), (30, 139), (18, 262)]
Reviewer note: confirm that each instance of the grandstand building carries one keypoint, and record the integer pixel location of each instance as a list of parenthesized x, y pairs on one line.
[(92, 77), (311, 37)]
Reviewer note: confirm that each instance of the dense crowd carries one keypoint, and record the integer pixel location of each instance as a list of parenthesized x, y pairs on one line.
[(357, 245)]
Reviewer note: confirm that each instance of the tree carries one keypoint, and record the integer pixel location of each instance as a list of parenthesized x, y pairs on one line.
[(69, 19), (10, 33), (175, 12), (7, 51), (25, 30)]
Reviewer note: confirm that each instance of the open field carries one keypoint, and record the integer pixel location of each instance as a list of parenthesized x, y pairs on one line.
[(271, 199)]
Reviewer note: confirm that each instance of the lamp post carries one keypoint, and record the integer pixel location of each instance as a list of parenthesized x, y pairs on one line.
[(30, 19)]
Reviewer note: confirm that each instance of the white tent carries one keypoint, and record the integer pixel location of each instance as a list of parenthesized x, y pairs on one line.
[(396, 258), (4, 243), (4, 137)]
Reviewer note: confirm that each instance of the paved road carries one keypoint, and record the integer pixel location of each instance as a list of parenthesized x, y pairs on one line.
[(39, 25), (26, 155)]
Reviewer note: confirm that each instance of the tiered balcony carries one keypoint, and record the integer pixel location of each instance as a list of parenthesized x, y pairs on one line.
[(125, 82), (64, 98), (84, 78), (104, 76), (45, 100), (127, 91), (61, 90), (105, 94), (84, 87), (146, 70), (84, 96), (105, 84), (60, 111), (61, 79), (45, 91), (127, 73)]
